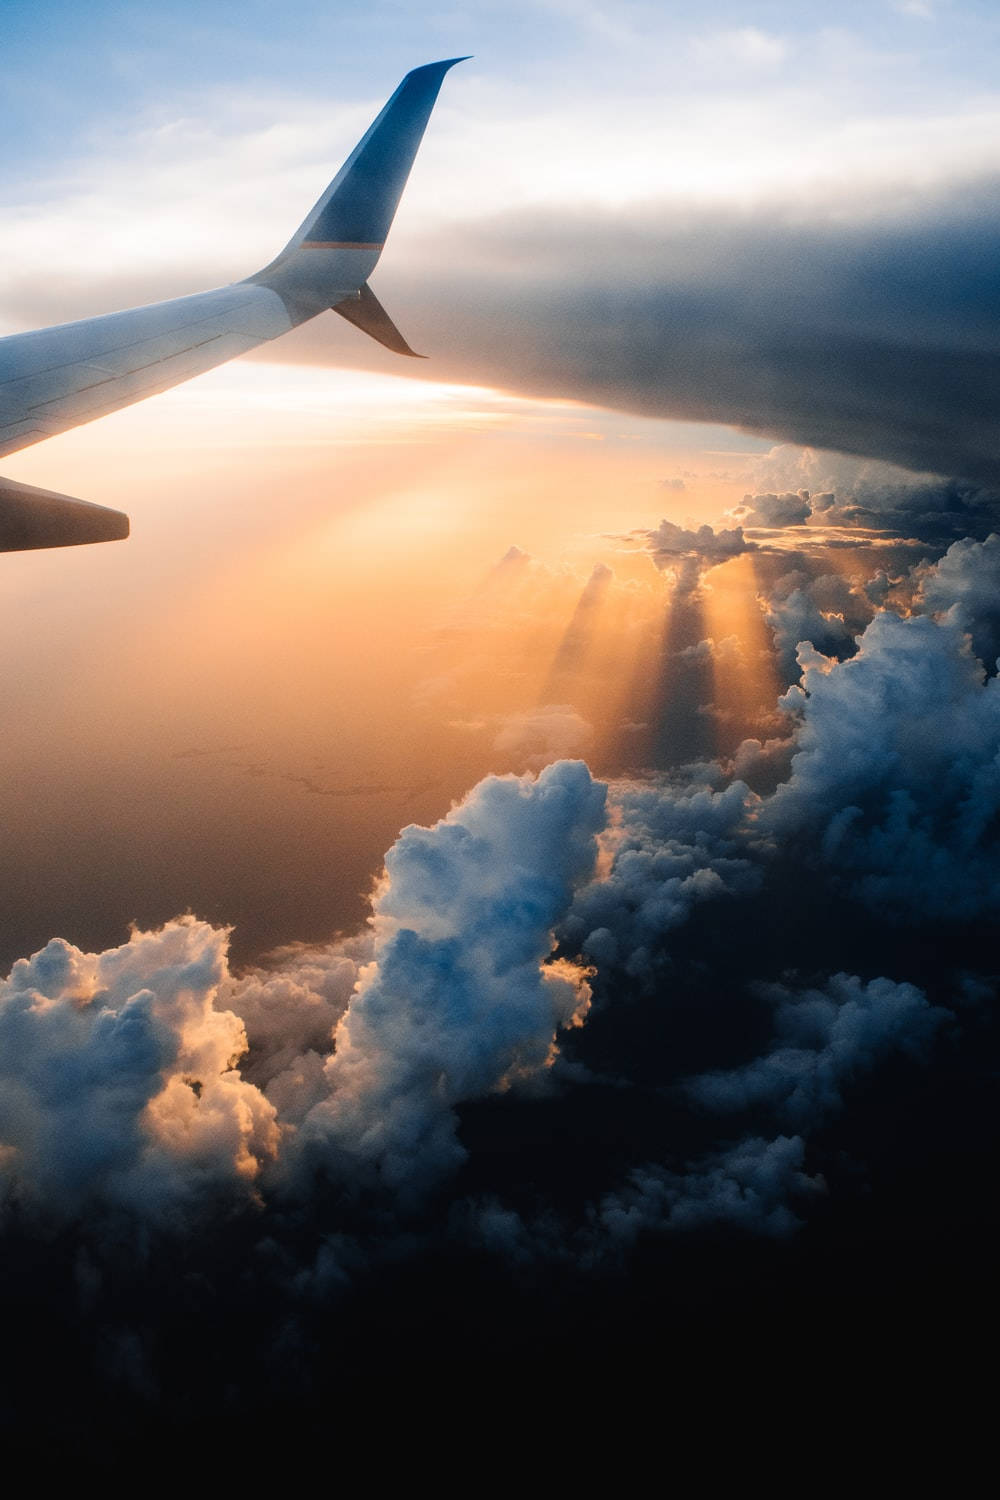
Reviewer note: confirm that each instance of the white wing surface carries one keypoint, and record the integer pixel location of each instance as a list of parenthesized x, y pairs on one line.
[(57, 378), (60, 377)]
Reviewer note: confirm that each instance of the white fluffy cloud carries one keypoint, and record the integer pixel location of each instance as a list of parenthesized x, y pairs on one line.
[(149, 1078), (461, 998), (963, 589), (118, 1083), (895, 781), (120, 1086)]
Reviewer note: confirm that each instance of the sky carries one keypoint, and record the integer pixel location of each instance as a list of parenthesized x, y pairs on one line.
[(498, 870)]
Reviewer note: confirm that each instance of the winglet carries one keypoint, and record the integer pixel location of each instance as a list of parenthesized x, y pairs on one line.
[(359, 205), (366, 312)]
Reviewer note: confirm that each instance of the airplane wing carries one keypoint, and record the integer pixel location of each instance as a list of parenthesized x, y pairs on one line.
[(57, 378)]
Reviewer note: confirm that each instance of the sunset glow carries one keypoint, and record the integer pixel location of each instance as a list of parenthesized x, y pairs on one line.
[(499, 869)]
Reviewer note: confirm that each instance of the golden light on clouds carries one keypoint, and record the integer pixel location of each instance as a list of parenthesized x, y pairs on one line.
[(346, 597)]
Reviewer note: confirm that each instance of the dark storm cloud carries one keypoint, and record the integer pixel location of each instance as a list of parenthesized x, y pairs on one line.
[(752, 1186), (876, 337), (869, 329), (874, 334), (825, 1038), (931, 509), (872, 500)]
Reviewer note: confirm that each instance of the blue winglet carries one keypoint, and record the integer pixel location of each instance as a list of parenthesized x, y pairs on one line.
[(358, 206)]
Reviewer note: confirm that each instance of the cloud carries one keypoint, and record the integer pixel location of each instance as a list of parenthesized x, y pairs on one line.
[(866, 326), (118, 1086), (688, 553), (825, 1038), (668, 850), (290, 1010), (742, 47), (670, 541), (799, 609), (895, 780), (786, 509), (460, 999), (748, 1187), (544, 734), (870, 493), (866, 333), (963, 589)]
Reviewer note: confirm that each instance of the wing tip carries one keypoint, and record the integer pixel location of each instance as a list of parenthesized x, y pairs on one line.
[(32, 519)]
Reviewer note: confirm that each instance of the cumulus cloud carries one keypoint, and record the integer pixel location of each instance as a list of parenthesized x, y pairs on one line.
[(669, 849), (820, 611), (963, 589), (290, 1010), (825, 1038), (836, 489), (895, 781), (461, 998), (670, 542), (354, 1058), (118, 1085), (786, 509), (755, 1187), (751, 1186)]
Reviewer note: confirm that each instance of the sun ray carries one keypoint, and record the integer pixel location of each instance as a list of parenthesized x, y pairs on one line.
[(743, 664), (577, 643)]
